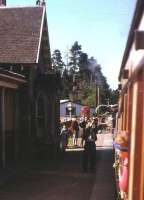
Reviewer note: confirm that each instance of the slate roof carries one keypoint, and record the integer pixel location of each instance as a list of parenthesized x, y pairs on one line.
[(20, 34)]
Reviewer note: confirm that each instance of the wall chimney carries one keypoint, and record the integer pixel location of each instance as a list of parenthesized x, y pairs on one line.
[(40, 2), (2, 2)]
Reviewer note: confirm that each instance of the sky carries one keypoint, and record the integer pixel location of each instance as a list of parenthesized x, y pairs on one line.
[(101, 27)]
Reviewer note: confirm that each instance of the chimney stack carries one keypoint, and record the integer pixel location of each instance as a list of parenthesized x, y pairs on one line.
[(39, 2), (2, 2), (43, 3)]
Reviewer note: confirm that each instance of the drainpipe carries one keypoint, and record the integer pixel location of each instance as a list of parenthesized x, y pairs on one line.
[(3, 129)]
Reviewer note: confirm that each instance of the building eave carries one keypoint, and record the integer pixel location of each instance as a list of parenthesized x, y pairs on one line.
[(10, 79)]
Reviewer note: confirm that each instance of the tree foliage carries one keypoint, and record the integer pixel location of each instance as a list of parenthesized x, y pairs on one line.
[(81, 76), (57, 62), (75, 53)]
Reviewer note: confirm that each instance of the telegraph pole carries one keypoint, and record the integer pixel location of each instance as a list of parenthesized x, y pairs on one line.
[(97, 96)]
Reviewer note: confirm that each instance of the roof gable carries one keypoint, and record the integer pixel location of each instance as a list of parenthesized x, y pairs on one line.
[(44, 45), (20, 34)]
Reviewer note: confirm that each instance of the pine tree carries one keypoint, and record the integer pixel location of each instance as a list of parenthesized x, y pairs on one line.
[(75, 53), (57, 62), (81, 78)]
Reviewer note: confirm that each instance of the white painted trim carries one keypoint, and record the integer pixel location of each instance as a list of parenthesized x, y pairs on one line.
[(132, 146), (40, 37), (19, 6)]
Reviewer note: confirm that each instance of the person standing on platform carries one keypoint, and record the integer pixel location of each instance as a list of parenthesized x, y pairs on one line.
[(89, 154), (64, 138), (82, 126), (75, 130)]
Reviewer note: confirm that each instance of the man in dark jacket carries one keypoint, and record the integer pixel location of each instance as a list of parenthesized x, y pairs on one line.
[(64, 138), (89, 154)]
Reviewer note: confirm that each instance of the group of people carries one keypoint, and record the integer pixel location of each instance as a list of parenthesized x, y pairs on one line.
[(76, 129), (86, 129)]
